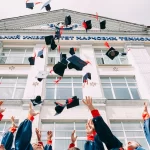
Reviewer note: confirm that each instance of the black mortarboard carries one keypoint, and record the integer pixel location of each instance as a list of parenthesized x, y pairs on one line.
[(42, 75), (89, 24), (53, 45), (103, 24), (57, 34), (86, 76), (60, 67), (59, 108), (36, 101), (68, 20), (30, 5), (112, 53), (63, 56), (72, 102), (123, 54), (40, 54), (31, 60), (47, 5), (48, 39), (72, 51), (76, 63)]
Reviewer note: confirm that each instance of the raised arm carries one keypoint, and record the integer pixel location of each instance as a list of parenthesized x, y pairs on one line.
[(73, 140), (49, 141), (93, 141), (1, 110), (7, 140), (146, 119), (24, 133), (101, 128)]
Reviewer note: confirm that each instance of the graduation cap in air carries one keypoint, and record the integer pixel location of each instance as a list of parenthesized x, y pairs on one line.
[(63, 56), (68, 20), (111, 53), (103, 24), (72, 102), (36, 101), (47, 5), (76, 63), (87, 25), (31, 60), (86, 77), (40, 54), (123, 54), (60, 67), (53, 45), (42, 75), (30, 5), (59, 107), (48, 39), (72, 51)]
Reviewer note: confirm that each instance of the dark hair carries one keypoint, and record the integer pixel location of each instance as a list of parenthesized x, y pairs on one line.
[(75, 148)]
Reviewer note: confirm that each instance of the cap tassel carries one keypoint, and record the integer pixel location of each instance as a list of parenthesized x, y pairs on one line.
[(51, 71), (34, 55), (43, 48), (59, 103), (59, 49), (88, 62), (84, 25), (37, 3), (106, 44), (61, 28), (70, 100), (57, 81)]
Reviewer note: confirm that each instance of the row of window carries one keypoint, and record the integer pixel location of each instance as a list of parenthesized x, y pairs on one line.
[(20, 56), (113, 87), (124, 130)]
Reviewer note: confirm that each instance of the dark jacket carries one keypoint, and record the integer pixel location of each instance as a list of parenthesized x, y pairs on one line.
[(23, 138)]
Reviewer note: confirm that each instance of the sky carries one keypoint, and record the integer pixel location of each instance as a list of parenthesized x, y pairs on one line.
[(135, 11)]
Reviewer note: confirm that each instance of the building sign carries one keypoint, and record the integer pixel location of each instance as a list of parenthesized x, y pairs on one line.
[(79, 38)]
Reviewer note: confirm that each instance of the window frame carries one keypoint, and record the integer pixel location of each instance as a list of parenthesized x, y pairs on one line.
[(25, 51), (100, 54), (14, 85), (73, 122), (55, 86), (125, 137), (112, 87)]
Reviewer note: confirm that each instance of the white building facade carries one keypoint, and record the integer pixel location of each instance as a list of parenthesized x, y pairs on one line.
[(118, 88)]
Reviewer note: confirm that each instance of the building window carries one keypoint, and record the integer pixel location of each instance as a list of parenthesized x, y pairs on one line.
[(129, 131), (12, 87), (103, 59), (15, 55), (54, 56), (62, 133), (120, 88), (66, 88)]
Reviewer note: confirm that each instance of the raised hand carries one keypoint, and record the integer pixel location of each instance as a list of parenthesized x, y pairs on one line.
[(1, 110), (49, 135), (38, 134), (31, 111), (13, 122), (88, 103), (73, 137)]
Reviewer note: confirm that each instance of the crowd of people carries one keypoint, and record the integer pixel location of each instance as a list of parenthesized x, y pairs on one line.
[(97, 132)]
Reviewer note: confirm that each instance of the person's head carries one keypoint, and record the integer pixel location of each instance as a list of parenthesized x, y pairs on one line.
[(74, 148), (131, 145), (37, 146), (2, 147)]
